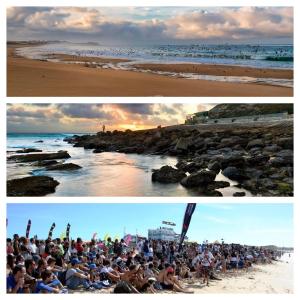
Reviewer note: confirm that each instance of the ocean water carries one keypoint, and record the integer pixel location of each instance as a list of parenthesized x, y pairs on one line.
[(102, 174), (257, 56)]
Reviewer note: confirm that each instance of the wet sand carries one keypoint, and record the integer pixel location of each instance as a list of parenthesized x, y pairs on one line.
[(27, 77), (218, 70)]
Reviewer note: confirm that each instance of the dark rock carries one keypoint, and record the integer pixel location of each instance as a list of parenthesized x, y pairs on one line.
[(253, 172), (218, 185), (255, 143), (183, 144), (31, 186), (37, 157), (198, 179), (214, 166), (167, 174), (44, 163), (239, 194), (285, 142), (39, 141), (257, 160), (98, 150), (28, 150), (234, 173), (236, 160), (271, 149), (211, 193), (63, 167), (133, 149), (282, 158), (191, 167)]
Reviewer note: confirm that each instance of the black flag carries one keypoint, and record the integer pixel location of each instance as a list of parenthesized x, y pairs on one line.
[(28, 229), (51, 230), (68, 231), (186, 222)]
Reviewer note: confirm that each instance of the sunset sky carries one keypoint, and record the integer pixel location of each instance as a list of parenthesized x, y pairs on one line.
[(144, 25), (80, 118)]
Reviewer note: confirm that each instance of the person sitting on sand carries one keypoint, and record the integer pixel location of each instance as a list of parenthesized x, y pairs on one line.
[(49, 284), (108, 273), (168, 281), (75, 277), (15, 281)]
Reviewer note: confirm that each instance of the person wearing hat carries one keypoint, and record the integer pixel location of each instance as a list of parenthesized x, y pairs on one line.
[(94, 276), (75, 277)]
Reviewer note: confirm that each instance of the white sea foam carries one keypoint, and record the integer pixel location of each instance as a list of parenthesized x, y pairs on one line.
[(163, 55)]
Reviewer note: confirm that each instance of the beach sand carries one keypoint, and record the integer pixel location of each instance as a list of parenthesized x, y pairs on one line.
[(27, 77), (275, 278)]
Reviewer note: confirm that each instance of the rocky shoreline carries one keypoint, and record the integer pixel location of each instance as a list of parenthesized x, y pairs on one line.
[(258, 156)]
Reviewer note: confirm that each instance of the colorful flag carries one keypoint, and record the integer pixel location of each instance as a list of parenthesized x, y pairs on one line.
[(28, 229), (68, 231), (127, 239), (94, 236), (62, 235), (51, 230), (186, 221)]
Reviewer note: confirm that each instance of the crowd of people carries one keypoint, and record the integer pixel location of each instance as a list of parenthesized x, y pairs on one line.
[(145, 266)]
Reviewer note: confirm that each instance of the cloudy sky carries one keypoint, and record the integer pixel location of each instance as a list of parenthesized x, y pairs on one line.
[(41, 118), (142, 25)]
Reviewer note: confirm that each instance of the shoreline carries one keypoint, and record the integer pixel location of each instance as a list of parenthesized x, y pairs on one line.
[(257, 157), (28, 77)]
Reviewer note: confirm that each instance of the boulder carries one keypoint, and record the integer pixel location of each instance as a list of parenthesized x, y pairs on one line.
[(31, 186), (218, 185), (183, 144), (234, 173), (63, 167), (233, 159), (167, 174), (285, 142), (41, 156), (39, 141), (98, 150), (239, 194), (257, 160), (45, 163), (214, 166), (198, 179), (28, 150), (255, 143)]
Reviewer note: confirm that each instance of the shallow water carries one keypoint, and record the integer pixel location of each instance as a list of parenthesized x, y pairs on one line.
[(257, 56), (102, 174)]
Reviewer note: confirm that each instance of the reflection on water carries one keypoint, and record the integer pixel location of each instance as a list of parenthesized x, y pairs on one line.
[(102, 174)]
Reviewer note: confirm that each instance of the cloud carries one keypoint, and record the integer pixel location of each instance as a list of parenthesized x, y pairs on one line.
[(136, 108), (86, 111), (148, 25)]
